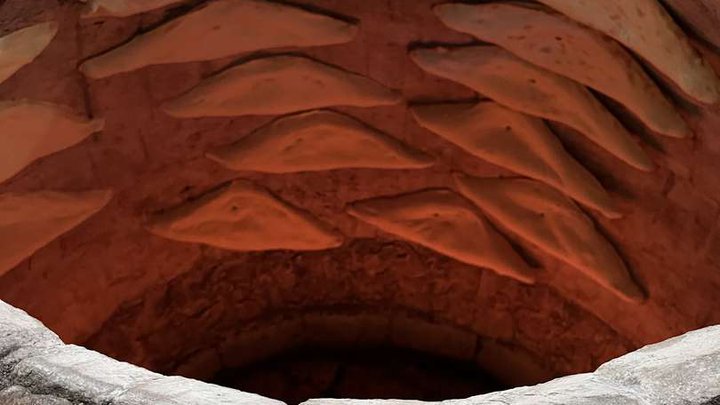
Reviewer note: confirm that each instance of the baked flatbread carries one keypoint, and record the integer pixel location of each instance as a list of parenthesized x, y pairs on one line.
[(446, 223), (524, 87)]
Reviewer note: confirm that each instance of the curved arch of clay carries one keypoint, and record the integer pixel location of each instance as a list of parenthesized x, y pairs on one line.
[(355, 328), (230, 299)]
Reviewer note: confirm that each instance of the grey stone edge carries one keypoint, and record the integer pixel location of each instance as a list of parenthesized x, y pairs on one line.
[(37, 368)]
